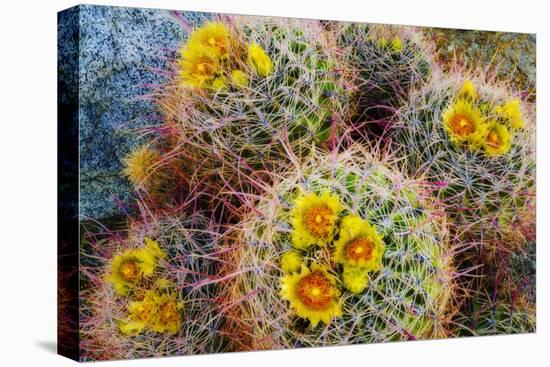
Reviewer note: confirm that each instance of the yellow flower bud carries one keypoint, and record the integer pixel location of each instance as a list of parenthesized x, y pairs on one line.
[(397, 44), (511, 111), (239, 78), (382, 43), (259, 60), (219, 84), (291, 262), (355, 279), (468, 90)]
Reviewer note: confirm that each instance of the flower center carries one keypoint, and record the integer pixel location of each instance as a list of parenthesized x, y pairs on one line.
[(129, 270), (359, 249), (314, 290), (145, 313), (462, 125), (204, 67), (318, 221), (493, 139), (168, 312), (212, 41)]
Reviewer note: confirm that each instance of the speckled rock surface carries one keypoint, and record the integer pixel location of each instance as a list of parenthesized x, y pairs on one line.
[(119, 51), (511, 55)]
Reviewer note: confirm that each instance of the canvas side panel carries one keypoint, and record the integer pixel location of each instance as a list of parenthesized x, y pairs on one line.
[(67, 175)]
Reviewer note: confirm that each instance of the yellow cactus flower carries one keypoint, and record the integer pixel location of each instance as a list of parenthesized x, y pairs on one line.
[(291, 261), (167, 318), (468, 90), (259, 60), (511, 112), (159, 313), (397, 44), (314, 219), (312, 294), (355, 279), (498, 140), (464, 123), (212, 35), (199, 65), (126, 270), (141, 167), (359, 244), (239, 78), (141, 314), (129, 267)]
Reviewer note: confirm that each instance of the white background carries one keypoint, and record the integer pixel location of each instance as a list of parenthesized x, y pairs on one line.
[(28, 182)]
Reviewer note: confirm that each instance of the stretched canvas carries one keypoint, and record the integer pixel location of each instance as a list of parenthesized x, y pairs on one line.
[(238, 183)]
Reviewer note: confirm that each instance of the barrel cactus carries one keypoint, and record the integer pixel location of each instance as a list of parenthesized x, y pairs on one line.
[(341, 250), (475, 142), (384, 63), (504, 318), (504, 298), (245, 90), (147, 290)]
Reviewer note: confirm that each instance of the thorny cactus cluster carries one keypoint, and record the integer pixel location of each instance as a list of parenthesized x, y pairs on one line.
[(384, 64), (475, 141), (316, 183), (508, 304), (149, 290), (266, 84), (376, 241)]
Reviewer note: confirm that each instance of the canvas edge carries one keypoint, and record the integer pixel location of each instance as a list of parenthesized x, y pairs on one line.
[(68, 27)]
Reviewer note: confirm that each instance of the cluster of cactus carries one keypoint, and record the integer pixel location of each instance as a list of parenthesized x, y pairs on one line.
[(408, 292), (355, 193), (385, 63), (275, 87), (475, 143), (503, 301), (149, 290)]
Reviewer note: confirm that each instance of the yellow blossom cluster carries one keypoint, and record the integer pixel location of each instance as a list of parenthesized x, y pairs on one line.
[(314, 291), (213, 59), (155, 311), (471, 122), (150, 307)]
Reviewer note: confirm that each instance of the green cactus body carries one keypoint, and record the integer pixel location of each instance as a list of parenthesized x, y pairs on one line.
[(385, 63), (506, 302), (503, 318), (411, 295), (248, 128), (490, 197), (184, 273)]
